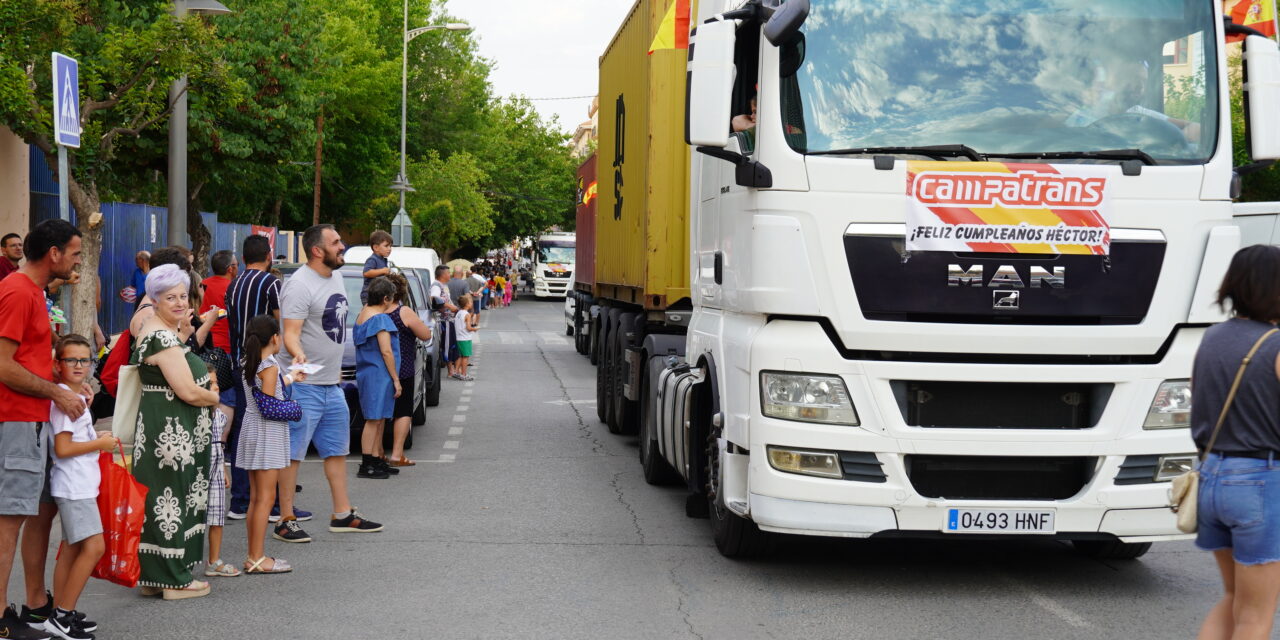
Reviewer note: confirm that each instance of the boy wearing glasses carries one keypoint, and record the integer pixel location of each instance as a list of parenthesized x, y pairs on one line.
[(73, 481)]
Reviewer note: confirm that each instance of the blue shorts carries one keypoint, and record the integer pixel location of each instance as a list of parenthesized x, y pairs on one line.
[(325, 422), (1239, 508)]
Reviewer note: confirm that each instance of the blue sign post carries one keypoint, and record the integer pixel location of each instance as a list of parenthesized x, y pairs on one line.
[(66, 133)]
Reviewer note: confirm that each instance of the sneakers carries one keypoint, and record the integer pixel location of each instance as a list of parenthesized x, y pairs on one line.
[(232, 514), (13, 628), (301, 514), (66, 626), (386, 466), (353, 523), (290, 531), (35, 618), (369, 468)]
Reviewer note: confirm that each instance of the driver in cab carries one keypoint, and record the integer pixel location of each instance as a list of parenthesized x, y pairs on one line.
[(1117, 89)]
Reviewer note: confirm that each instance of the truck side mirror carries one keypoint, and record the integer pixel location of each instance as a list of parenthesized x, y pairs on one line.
[(786, 21), (1262, 90), (710, 79)]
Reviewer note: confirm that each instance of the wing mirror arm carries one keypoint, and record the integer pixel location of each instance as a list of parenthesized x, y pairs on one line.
[(749, 173)]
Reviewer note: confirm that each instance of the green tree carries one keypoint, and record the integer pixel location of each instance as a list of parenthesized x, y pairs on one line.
[(129, 53)]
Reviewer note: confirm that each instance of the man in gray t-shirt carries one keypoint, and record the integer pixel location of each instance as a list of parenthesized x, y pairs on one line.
[(320, 302), (458, 286), (313, 312)]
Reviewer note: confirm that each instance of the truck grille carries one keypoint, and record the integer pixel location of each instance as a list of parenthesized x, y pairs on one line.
[(553, 274), (998, 478), (1000, 405), (1093, 290)]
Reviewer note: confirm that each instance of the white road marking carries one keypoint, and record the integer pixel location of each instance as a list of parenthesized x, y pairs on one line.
[(444, 457), (463, 407), (551, 337), (459, 418), (455, 431), (470, 384), (1049, 604), (451, 444), (561, 403)]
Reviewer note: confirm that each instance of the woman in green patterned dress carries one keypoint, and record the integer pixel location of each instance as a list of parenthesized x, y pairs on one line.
[(171, 449)]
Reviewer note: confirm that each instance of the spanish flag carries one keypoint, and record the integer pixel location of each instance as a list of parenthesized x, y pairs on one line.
[(673, 33), (1259, 14)]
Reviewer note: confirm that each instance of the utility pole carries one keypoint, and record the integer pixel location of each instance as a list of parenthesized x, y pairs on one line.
[(315, 206)]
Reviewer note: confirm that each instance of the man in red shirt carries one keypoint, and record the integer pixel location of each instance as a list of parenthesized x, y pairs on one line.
[(26, 372), (10, 254), (215, 295)]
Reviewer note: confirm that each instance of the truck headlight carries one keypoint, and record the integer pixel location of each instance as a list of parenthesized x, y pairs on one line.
[(806, 398), (1171, 407), (823, 464)]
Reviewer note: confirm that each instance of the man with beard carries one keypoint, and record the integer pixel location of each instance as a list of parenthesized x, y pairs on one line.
[(313, 310), (26, 390), (10, 254)]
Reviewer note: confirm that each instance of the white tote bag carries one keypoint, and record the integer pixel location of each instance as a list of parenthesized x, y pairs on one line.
[(124, 422)]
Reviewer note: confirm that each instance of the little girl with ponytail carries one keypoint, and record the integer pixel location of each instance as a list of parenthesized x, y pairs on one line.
[(264, 444)]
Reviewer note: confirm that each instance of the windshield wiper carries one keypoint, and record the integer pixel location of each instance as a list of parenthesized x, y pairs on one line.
[(1110, 154), (934, 151)]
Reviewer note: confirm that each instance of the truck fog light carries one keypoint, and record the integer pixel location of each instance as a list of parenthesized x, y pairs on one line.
[(806, 398), (1170, 467), (823, 464), (1171, 407)]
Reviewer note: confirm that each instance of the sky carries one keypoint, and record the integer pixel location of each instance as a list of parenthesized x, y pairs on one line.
[(544, 48)]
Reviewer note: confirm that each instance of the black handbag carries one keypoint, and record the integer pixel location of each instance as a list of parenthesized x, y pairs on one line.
[(219, 364)]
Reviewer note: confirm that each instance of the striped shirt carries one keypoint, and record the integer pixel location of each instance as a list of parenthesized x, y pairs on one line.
[(251, 294)]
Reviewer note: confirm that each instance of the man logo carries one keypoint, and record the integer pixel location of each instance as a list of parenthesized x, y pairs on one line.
[(1005, 300)]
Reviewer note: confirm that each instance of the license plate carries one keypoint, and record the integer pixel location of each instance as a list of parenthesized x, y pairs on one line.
[(999, 521)]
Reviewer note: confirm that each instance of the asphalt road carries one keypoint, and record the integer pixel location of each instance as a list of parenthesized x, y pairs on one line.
[(525, 518)]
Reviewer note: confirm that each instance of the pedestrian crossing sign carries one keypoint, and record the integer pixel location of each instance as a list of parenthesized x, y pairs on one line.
[(66, 101)]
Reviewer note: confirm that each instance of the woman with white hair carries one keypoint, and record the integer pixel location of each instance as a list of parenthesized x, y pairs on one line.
[(172, 447)]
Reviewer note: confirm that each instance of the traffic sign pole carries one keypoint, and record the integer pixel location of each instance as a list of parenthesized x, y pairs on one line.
[(66, 133)]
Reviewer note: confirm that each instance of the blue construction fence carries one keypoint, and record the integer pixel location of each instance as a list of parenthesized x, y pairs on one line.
[(130, 228)]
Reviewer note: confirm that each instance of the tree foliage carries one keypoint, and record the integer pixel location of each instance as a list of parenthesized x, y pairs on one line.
[(261, 82)]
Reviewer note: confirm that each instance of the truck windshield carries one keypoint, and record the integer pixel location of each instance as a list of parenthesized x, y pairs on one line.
[(1005, 77), (555, 253)]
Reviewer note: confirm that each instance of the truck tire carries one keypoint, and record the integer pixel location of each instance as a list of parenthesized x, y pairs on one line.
[(603, 372), (593, 346), (1111, 549), (627, 412), (613, 383), (735, 536), (657, 471)]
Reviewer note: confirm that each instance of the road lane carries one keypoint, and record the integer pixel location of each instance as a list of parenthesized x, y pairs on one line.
[(540, 525)]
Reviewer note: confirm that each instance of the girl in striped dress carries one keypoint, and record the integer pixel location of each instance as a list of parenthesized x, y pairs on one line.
[(263, 449)]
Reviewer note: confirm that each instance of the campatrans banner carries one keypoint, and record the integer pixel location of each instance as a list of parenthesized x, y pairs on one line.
[(1006, 207)]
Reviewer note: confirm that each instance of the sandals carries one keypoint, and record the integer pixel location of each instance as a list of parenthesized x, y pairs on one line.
[(278, 565), (197, 589), (220, 569), (401, 462)]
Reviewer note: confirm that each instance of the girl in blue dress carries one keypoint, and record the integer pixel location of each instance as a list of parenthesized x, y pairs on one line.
[(377, 366)]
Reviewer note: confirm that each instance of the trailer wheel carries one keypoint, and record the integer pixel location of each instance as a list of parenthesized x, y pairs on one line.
[(735, 536), (613, 384), (656, 469), (1111, 549), (626, 412), (593, 344)]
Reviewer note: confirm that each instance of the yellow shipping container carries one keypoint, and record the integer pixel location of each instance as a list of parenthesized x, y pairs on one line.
[(642, 220)]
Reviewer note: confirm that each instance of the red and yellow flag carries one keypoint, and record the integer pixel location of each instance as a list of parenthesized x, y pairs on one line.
[(1259, 14), (673, 33), (590, 193)]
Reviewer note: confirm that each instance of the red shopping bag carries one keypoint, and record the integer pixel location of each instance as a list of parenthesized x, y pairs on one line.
[(122, 503)]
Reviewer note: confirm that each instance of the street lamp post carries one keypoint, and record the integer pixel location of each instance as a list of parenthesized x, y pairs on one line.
[(402, 226), (177, 235)]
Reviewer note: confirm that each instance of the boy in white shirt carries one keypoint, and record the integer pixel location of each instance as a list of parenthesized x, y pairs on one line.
[(465, 325), (73, 481)]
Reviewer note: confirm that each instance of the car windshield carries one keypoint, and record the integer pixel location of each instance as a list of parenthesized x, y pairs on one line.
[(353, 281), (1005, 77), (555, 253)]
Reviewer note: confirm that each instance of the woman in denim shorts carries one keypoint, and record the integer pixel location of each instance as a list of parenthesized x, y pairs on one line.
[(1239, 499)]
